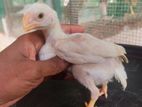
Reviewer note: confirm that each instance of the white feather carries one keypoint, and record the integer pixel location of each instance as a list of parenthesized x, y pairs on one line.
[(105, 71), (46, 52), (82, 48), (120, 74)]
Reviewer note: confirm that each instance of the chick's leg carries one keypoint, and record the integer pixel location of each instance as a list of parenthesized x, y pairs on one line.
[(104, 90), (86, 80), (132, 11), (95, 94), (91, 103)]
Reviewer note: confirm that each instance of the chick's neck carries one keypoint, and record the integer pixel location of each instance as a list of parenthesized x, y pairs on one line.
[(55, 31)]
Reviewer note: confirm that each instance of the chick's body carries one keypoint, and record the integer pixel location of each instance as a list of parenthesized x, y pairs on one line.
[(95, 61), (103, 72)]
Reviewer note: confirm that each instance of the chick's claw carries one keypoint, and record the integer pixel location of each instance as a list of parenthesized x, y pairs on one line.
[(104, 90)]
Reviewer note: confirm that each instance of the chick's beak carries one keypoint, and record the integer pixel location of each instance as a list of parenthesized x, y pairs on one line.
[(28, 25)]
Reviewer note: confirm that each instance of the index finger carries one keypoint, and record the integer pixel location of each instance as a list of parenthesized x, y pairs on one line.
[(70, 28)]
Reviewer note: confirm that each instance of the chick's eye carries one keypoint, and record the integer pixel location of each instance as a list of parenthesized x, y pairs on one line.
[(41, 15)]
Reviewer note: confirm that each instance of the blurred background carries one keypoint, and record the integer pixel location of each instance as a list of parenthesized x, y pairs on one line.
[(118, 21)]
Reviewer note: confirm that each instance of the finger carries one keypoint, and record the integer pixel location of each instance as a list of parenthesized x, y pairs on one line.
[(31, 54), (52, 66), (72, 28), (36, 38)]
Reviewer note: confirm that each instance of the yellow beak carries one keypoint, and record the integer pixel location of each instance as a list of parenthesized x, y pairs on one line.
[(27, 25)]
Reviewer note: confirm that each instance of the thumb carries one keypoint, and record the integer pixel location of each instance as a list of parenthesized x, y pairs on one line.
[(52, 66)]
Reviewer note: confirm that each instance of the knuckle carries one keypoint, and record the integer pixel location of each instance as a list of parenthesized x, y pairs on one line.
[(61, 64)]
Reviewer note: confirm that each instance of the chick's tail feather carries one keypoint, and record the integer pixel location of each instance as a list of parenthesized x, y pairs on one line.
[(120, 75)]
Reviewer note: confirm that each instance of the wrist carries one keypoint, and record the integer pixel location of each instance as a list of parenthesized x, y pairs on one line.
[(15, 88)]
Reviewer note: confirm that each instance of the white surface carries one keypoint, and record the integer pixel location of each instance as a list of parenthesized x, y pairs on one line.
[(5, 41)]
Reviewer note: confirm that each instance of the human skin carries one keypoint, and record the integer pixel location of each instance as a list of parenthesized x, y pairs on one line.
[(21, 72)]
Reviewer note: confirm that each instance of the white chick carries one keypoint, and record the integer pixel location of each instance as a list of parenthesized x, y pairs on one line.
[(95, 61)]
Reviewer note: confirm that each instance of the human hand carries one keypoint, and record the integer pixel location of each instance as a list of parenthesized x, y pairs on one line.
[(20, 72)]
